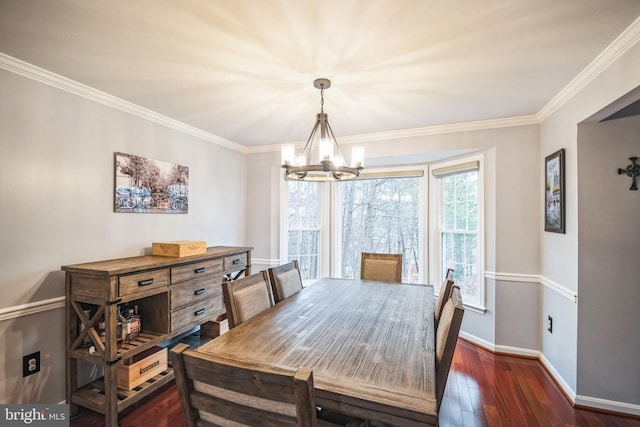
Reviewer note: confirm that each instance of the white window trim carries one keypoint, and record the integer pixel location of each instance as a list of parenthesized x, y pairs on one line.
[(324, 219), (435, 272)]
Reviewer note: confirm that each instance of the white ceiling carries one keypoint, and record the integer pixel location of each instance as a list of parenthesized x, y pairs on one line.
[(243, 70)]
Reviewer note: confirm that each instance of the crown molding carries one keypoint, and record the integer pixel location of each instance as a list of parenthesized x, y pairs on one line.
[(418, 132), (41, 75), (627, 39)]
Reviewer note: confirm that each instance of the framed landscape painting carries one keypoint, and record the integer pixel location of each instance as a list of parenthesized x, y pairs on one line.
[(554, 216), (150, 186)]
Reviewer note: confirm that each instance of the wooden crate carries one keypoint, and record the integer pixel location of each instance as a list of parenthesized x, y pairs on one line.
[(213, 329), (136, 370), (179, 248)]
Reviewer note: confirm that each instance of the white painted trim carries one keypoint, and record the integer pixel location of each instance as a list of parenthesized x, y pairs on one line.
[(264, 262), (558, 288), (627, 39), (9, 313), (478, 341), (534, 278), (41, 75), (608, 405), (559, 379), (417, 132)]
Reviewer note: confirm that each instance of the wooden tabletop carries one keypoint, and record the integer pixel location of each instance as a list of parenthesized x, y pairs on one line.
[(370, 345)]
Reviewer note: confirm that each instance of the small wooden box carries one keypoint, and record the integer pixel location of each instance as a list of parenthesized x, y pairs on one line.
[(133, 372), (179, 248), (213, 329)]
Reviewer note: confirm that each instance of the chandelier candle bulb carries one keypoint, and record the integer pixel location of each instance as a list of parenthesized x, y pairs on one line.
[(357, 156), (288, 154), (325, 149)]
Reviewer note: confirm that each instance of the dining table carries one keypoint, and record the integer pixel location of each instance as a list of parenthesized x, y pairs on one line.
[(370, 345)]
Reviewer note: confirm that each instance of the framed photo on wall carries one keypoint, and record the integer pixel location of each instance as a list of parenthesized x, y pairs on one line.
[(144, 185), (554, 205)]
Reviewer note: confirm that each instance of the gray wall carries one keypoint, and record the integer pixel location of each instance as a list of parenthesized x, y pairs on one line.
[(57, 183), (609, 271), (559, 263)]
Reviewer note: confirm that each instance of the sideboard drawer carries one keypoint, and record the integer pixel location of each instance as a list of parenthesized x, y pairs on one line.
[(196, 291), (195, 270), (196, 313), (235, 261), (133, 283)]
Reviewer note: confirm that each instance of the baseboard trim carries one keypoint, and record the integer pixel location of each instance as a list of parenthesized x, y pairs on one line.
[(603, 405), (578, 401)]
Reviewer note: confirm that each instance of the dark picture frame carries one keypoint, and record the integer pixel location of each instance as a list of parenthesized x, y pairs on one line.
[(554, 192), (144, 185)]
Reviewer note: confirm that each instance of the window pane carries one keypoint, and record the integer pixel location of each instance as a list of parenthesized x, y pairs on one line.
[(381, 216), (459, 238), (303, 227)]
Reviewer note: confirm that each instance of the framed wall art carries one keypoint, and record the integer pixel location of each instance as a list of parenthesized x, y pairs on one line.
[(554, 204), (150, 186)]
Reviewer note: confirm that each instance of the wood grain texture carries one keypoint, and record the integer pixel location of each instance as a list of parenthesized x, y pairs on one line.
[(483, 390), (285, 280), (218, 391), (370, 346), (246, 297)]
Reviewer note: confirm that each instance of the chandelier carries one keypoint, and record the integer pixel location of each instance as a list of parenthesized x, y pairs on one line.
[(331, 165)]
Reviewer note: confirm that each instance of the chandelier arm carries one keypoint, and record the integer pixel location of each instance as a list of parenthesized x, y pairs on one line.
[(309, 145), (333, 138)]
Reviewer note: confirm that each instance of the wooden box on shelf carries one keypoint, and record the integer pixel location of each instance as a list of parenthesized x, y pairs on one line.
[(135, 370), (179, 248)]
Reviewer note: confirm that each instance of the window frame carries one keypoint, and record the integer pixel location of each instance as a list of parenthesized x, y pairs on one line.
[(436, 216), (323, 220)]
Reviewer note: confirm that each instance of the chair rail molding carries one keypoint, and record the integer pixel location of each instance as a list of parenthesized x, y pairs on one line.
[(16, 311), (534, 278)]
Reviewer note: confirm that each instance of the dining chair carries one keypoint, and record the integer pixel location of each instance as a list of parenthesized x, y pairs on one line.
[(285, 280), (217, 391), (444, 294), (246, 297), (381, 267), (446, 338)]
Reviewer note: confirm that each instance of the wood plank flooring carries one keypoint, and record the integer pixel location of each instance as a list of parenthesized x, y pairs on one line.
[(483, 389)]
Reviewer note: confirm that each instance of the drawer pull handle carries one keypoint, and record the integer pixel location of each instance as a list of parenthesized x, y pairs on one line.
[(199, 292), (236, 261), (199, 312), (199, 270), (145, 282)]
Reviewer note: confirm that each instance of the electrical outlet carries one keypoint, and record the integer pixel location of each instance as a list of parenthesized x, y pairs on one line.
[(550, 324), (31, 364)]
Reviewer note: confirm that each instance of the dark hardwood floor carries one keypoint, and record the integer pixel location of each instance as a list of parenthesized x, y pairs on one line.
[(483, 389)]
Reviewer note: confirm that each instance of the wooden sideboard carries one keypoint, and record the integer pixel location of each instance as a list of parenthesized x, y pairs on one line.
[(173, 295)]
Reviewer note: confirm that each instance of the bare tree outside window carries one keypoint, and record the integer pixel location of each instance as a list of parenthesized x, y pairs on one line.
[(381, 216), (303, 227), (459, 231)]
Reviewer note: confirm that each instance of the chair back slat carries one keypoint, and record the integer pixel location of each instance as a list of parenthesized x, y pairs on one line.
[(444, 294), (381, 267), (446, 338), (285, 280), (228, 393), (246, 297)]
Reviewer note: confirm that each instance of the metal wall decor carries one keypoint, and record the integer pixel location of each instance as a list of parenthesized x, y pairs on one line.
[(633, 170)]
